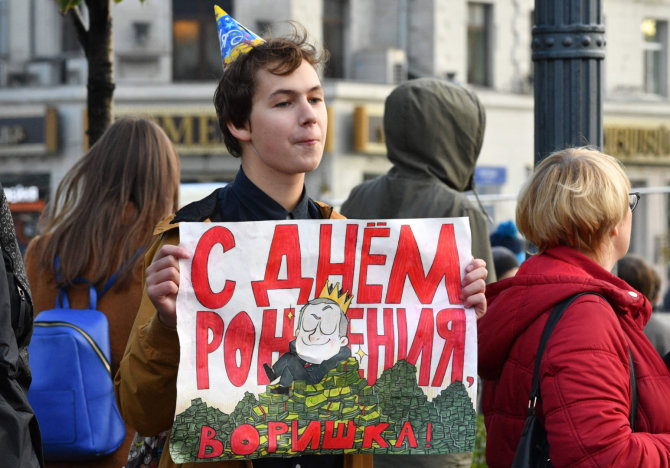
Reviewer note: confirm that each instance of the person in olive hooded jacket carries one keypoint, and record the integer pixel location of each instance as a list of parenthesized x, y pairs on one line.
[(434, 131)]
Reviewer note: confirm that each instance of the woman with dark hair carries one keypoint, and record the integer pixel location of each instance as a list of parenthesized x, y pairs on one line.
[(577, 210), (100, 222)]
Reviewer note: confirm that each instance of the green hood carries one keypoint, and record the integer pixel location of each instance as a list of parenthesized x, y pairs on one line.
[(413, 112)]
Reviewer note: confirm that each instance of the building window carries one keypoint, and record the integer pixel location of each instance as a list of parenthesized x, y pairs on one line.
[(4, 28), (334, 15), (655, 34), (479, 43), (195, 43)]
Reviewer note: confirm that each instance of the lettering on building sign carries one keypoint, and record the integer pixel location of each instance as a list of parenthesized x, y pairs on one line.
[(638, 144), (12, 134), (191, 130), (22, 194), (202, 130)]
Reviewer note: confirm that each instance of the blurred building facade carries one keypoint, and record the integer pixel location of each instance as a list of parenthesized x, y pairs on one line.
[(167, 63)]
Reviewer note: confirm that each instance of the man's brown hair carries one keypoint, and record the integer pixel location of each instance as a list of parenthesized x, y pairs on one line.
[(234, 93)]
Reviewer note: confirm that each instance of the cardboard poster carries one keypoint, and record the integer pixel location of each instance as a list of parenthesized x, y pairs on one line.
[(322, 337)]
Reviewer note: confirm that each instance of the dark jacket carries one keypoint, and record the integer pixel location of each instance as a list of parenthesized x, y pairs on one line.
[(434, 131), (20, 440), (585, 372)]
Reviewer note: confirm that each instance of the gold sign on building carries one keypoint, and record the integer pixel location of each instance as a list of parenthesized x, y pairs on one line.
[(193, 130), (638, 144)]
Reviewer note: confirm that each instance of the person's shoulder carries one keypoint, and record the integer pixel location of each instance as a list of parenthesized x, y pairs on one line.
[(198, 211), (35, 244), (35, 249), (165, 225), (327, 211)]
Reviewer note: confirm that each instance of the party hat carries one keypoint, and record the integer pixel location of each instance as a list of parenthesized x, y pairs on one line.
[(234, 38)]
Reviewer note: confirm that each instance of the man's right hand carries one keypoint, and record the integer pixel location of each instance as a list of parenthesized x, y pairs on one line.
[(162, 281)]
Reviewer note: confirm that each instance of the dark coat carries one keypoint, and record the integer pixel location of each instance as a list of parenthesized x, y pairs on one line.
[(20, 440)]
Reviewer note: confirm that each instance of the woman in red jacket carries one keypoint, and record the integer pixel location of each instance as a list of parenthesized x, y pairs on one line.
[(577, 210)]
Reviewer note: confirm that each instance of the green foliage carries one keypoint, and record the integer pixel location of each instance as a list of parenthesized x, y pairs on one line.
[(479, 454), (66, 5)]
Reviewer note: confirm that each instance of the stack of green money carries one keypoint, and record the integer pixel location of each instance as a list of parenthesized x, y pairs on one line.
[(342, 396), (458, 417), (189, 422)]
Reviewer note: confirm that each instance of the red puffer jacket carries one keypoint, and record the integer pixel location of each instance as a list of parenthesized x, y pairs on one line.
[(584, 375)]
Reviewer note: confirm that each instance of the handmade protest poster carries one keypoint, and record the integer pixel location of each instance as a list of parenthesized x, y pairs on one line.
[(322, 337)]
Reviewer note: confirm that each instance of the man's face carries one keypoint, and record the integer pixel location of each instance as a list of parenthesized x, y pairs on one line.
[(287, 125), (318, 336)]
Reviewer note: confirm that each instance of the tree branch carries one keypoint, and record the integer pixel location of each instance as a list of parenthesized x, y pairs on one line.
[(79, 26)]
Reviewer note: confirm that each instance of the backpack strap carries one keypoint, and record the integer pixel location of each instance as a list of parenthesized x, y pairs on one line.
[(633, 391), (62, 299)]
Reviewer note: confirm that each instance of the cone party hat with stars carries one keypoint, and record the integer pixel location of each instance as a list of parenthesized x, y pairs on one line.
[(234, 39)]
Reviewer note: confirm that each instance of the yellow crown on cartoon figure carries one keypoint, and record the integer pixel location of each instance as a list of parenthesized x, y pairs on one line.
[(334, 293)]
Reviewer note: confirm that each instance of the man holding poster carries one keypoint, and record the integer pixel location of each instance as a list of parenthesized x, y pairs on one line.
[(277, 127)]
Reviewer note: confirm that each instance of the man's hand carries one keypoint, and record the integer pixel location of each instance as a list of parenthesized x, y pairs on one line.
[(474, 285), (162, 281)]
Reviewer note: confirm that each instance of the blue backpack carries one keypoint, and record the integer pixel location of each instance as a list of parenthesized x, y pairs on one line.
[(72, 392)]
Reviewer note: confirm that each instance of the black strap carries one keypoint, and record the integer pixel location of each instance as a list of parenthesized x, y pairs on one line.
[(633, 392), (554, 317)]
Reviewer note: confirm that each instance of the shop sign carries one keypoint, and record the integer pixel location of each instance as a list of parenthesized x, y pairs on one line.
[(369, 129), (28, 131), (490, 175), (193, 130), (22, 194), (638, 144)]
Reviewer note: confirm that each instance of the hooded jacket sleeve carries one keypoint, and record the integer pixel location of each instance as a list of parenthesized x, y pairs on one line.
[(481, 245)]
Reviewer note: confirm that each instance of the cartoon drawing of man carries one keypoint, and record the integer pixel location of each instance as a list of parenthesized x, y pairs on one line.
[(320, 341)]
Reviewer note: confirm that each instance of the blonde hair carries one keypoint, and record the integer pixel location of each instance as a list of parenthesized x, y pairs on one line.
[(575, 197), (107, 205)]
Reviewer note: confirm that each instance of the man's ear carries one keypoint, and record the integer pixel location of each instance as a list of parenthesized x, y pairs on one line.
[(241, 133), (344, 341)]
